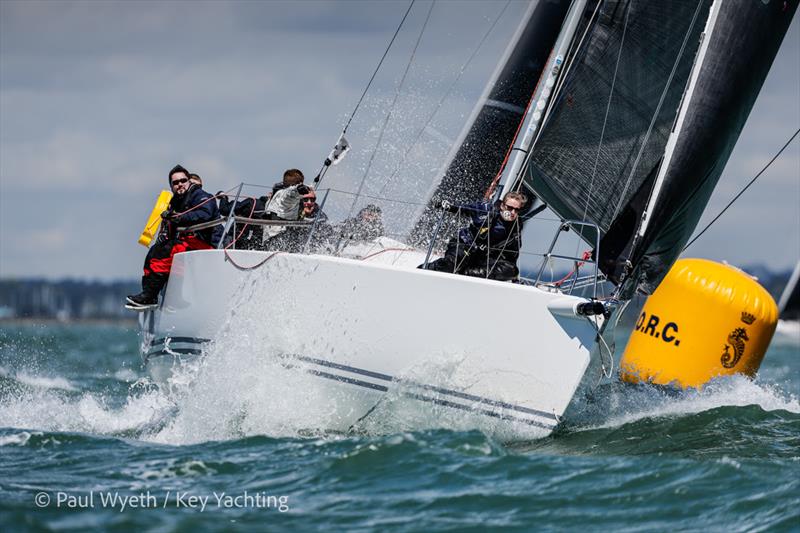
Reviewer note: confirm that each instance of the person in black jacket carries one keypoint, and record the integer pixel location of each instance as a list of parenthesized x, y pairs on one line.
[(489, 246), (189, 205)]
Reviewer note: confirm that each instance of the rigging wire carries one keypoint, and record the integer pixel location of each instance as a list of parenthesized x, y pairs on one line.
[(605, 118), (391, 110), (326, 165), (445, 96), (743, 190), (385, 53)]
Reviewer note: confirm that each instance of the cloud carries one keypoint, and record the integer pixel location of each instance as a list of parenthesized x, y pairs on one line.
[(99, 99)]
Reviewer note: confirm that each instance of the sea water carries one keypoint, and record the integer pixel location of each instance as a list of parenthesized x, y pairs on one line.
[(88, 442)]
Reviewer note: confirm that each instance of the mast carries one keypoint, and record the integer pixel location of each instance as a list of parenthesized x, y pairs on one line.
[(535, 115)]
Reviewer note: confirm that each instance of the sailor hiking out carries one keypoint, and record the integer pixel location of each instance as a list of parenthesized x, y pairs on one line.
[(189, 205)]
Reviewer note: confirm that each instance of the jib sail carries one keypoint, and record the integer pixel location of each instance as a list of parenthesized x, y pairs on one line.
[(651, 106)]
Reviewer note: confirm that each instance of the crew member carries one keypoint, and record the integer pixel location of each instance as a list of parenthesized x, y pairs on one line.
[(489, 246), (189, 205)]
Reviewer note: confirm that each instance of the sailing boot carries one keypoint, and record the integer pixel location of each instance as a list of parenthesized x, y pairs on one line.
[(148, 298)]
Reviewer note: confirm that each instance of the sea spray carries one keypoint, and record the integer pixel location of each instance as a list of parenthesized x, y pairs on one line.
[(255, 378)]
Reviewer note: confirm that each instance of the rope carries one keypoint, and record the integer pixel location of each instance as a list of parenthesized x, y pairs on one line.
[(391, 110), (386, 250), (496, 180), (243, 268), (586, 255), (743, 190), (250, 215)]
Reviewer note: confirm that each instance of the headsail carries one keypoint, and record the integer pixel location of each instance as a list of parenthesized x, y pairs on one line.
[(746, 37), (614, 151), (599, 151)]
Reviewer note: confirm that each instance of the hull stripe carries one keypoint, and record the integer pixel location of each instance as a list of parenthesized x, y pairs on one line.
[(428, 399), (440, 390), (156, 352)]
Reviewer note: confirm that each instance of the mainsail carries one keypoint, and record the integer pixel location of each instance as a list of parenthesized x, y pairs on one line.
[(746, 37), (651, 105)]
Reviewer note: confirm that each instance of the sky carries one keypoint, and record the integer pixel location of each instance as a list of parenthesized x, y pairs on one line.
[(98, 100)]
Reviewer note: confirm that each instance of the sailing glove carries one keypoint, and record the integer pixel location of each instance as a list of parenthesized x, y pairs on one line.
[(445, 205)]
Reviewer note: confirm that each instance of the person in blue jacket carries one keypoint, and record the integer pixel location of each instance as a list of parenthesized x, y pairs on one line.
[(489, 246), (189, 205)]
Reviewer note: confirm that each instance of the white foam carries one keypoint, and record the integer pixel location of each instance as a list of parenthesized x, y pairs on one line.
[(243, 387), (45, 382), (628, 404), (126, 374), (17, 439), (51, 410)]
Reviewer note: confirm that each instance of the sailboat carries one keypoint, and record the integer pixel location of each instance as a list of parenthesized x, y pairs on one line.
[(619, 116), (788, 329)]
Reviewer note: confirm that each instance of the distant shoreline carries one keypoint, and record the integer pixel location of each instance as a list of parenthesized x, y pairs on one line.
[(33, 321)]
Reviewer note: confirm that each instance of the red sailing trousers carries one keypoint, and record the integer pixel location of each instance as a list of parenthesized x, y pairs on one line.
[(159, 257)]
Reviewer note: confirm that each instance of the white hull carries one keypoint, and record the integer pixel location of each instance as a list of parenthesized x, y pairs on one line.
[(507, 357)]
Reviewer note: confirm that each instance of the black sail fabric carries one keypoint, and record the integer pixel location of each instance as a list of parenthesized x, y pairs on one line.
[(742, 46), (599, 150)]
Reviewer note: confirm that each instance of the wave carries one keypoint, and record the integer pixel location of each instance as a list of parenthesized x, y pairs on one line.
[(730, 417), (43, 382), (64, 410), (216, 399)]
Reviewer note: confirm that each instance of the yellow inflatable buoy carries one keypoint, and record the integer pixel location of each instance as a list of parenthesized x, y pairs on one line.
[(151, 228), (706, 319)]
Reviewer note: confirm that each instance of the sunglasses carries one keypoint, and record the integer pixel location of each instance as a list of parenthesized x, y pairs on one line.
[(178, 182), (508, 207), (309, 201)]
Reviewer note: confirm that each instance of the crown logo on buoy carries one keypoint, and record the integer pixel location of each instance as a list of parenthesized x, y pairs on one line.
[(747, 318)]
